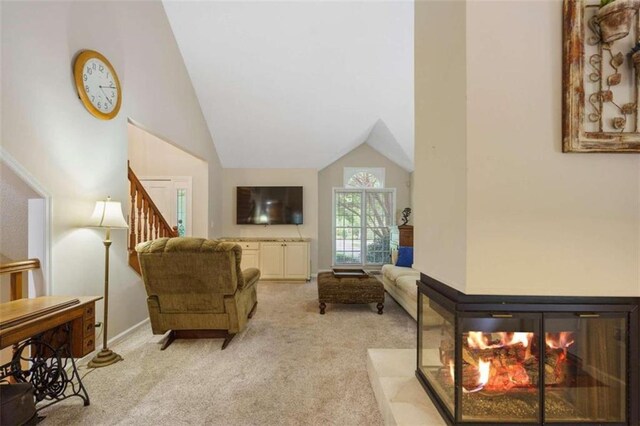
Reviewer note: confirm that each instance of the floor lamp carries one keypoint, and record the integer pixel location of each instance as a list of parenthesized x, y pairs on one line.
[(107, 214)]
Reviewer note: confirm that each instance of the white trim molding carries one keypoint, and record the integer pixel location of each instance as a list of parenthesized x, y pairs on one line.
[(17, 168)]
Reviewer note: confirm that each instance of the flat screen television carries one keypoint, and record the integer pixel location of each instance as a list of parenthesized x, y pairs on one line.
[(269, 205)]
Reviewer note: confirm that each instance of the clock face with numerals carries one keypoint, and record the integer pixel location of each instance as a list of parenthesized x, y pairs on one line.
[(97, 84)]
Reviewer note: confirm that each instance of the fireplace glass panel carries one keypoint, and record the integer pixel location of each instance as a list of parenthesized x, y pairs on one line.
[(499, 369), (436, 351), (585, 368)]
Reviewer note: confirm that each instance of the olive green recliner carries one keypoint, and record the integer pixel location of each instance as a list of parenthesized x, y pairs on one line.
[(196, 289)]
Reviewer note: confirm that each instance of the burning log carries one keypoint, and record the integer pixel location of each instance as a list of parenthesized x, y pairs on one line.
[(501, 364), (498, 365), (555, 368)]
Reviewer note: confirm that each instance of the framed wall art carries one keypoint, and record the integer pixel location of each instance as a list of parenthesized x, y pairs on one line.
[(601, 68)]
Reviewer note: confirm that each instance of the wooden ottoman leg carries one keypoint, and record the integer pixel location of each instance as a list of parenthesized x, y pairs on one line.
[(322, 306), (380, 307)]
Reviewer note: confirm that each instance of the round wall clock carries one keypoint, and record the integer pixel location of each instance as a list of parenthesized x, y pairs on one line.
[(97, 84)]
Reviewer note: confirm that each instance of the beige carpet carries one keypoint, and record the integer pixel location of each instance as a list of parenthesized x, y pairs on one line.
[(291, 366)]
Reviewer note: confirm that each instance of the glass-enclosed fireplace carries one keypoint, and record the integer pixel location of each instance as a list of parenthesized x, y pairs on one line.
[(540, 360)]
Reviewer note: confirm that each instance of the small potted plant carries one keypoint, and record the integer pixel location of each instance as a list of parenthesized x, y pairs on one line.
[(615, 18)]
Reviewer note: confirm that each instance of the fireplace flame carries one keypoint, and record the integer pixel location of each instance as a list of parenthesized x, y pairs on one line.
[(561, 340), (478, 340), (484, 368), (517, 337), (500, 361), (496, 373)]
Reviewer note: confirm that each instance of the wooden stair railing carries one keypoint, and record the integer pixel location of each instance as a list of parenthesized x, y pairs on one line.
[(145, 220), (17, 269)]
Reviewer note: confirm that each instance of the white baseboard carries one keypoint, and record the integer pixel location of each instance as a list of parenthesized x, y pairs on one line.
[(113, 341)]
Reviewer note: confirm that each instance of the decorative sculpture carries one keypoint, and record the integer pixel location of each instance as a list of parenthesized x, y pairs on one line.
[(405, 216)]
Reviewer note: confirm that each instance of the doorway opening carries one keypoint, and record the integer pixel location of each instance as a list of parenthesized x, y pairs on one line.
[(177, 182), (25, 218), (173, 196)]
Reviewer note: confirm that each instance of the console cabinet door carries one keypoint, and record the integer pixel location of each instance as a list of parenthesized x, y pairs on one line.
[(271, 260), (250, 259), (296, 261), (249, 254)]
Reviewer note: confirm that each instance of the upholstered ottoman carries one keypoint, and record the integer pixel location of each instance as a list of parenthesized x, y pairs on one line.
[(366, 289)]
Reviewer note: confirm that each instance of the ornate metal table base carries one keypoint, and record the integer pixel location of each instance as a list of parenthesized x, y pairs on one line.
[(52, 370)]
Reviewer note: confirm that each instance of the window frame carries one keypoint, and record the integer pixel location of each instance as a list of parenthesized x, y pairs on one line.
[(349, 172), (363, 225)]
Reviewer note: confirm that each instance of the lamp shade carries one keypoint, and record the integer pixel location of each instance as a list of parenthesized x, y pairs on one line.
[(108, 214)]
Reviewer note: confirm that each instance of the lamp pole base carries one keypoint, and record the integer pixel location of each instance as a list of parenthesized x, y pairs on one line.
[(105, 357)]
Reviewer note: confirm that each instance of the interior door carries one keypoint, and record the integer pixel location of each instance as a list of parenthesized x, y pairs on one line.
[(172, 196)]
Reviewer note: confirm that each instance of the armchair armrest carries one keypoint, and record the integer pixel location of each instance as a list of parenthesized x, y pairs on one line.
[(249, 277)]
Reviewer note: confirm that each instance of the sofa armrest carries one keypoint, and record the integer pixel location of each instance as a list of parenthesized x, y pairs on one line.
[(250, 277)]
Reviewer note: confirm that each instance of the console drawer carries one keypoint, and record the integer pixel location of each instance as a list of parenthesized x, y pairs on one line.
[(246, 245)]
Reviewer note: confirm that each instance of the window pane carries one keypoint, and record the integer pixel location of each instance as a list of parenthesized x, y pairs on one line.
[(364, 180), (182, 211), (363, 177), (379, 211), (352, 227)]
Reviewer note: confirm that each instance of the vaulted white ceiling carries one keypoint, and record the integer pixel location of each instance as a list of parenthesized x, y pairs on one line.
[(299, 84)]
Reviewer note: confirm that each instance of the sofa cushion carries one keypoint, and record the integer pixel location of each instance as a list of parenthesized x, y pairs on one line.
[(407, 285), (392, 273)]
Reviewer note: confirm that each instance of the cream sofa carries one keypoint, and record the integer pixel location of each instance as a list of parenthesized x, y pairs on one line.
[(400, 283)]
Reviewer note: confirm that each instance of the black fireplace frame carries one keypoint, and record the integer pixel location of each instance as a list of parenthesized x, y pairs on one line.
[(460, 303)]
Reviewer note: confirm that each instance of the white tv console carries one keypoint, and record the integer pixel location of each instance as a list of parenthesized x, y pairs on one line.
[(282, 259)]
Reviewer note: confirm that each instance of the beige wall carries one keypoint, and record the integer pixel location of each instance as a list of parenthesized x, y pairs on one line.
[(152, 156), (548, 221), (440, 182), (14, 229), (78, 158), (537, 221), (332, 177), (307, 178)]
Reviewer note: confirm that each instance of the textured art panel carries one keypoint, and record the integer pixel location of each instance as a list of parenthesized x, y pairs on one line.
[(601, 66)]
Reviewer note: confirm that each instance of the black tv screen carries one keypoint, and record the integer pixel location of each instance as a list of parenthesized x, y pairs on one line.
[(269, 205)]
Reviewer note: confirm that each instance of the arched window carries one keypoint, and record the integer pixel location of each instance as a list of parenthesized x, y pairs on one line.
[(363, 211), (361, 177)]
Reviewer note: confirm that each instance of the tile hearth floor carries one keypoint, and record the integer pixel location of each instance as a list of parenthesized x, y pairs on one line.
[(401, 398)]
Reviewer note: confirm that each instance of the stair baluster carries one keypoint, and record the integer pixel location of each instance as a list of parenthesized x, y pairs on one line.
[(145, 222), (132, 218)]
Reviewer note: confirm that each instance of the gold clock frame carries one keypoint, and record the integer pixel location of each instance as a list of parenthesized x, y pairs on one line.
[(78, 66)]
